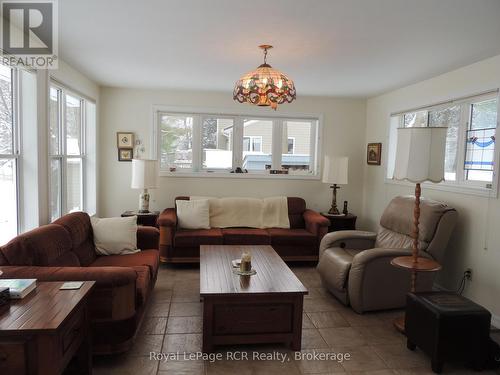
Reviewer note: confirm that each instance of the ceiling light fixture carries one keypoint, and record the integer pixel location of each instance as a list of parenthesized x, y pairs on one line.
[(265, 86)]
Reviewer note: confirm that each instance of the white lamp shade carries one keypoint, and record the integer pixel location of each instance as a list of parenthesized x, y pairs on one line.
[(420, 154), (335, 170), (144, 174)]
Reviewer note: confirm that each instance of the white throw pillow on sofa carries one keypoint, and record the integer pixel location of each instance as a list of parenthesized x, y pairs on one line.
[(115, 235), (193, 214)]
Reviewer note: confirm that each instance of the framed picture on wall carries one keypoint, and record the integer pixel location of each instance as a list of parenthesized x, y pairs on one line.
[(125, 140), (125, 154), (374, 153)]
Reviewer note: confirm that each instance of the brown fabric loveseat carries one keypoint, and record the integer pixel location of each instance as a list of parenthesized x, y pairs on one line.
[(299, 243), (65, 251)]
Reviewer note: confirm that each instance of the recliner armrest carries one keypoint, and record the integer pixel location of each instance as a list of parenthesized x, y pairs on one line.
[(351, 239), (375, 283), (365, 257)]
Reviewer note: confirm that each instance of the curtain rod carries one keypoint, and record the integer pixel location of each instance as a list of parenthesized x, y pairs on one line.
[(459, 99)]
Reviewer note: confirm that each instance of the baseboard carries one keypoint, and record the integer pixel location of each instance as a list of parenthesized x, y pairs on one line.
[(495, 319), (439, 288)]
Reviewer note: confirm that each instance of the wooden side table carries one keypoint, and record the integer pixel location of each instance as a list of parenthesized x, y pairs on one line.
[(341, 222), (408, 263), (147, 219), (42, 332)]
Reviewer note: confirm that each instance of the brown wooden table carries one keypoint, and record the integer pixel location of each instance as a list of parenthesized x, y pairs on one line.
[(340, 222), (263, 308), (144, 218), (42, 332)]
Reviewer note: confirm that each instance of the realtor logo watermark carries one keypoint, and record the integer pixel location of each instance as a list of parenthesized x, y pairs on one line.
[(29, 33)]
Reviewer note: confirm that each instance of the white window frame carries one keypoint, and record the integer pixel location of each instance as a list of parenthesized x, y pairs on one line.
[(293, 145), (460, 185), (251, 139), (63, 156), (238, 118), (16, 144)]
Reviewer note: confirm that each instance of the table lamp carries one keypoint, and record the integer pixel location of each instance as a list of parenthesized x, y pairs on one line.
[(420, 156), (144, 176), (335, 173)]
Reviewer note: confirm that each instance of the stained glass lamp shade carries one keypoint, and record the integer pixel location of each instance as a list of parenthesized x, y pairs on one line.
[(264, 86)]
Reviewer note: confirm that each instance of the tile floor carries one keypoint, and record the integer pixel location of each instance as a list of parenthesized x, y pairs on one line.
[(173, 324)]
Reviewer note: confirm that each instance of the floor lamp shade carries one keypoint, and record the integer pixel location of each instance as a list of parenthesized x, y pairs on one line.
[(144, 174), (335, 170), (420, 154)]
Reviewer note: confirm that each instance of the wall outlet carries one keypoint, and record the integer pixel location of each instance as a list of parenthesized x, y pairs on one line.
[(468, 274)]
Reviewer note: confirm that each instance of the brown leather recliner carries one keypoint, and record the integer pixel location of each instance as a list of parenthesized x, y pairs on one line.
[(355, 265)]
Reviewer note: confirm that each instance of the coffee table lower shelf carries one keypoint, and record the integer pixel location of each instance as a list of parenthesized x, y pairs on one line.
[(252, 319)]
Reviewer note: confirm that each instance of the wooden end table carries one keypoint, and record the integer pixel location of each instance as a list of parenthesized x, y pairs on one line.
[(42, 332), (340, 222), (147, 219), (407, 263), (258, 309)]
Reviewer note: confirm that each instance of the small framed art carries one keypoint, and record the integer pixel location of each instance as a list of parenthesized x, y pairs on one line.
[(374, 153), (125, 154), (125, 140)]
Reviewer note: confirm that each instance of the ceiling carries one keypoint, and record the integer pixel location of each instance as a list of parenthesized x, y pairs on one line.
[(355, 48)]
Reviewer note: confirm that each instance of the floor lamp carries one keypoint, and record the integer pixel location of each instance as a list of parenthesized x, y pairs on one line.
[(420, 157)]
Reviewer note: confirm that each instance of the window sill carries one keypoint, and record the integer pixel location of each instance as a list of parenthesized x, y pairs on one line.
[(450, 187), (258, 176)]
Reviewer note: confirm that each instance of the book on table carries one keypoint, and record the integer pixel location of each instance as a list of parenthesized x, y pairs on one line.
[(19, 288)]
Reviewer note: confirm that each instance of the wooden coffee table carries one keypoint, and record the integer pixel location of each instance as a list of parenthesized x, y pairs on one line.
[(42, 332), (263, 308)]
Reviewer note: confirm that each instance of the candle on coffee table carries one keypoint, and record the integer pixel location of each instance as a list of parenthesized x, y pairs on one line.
[(246, 262)]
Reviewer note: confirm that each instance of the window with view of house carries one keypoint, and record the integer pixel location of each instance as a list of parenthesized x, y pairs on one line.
[(470, 156), (198, 142)]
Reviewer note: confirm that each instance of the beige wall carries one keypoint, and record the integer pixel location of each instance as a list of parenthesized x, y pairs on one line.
[(476, 242), (131, 110)]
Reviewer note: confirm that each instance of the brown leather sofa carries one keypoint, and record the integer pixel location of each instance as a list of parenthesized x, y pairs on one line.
[(299, 243), (355, 265), (65, 251)]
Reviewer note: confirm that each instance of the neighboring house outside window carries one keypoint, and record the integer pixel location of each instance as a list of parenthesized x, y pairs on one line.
[(291, 145), (196, 143)]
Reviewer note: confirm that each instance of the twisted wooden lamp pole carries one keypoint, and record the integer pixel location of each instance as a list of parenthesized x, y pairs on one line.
[(414, 263), (416, 219)]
